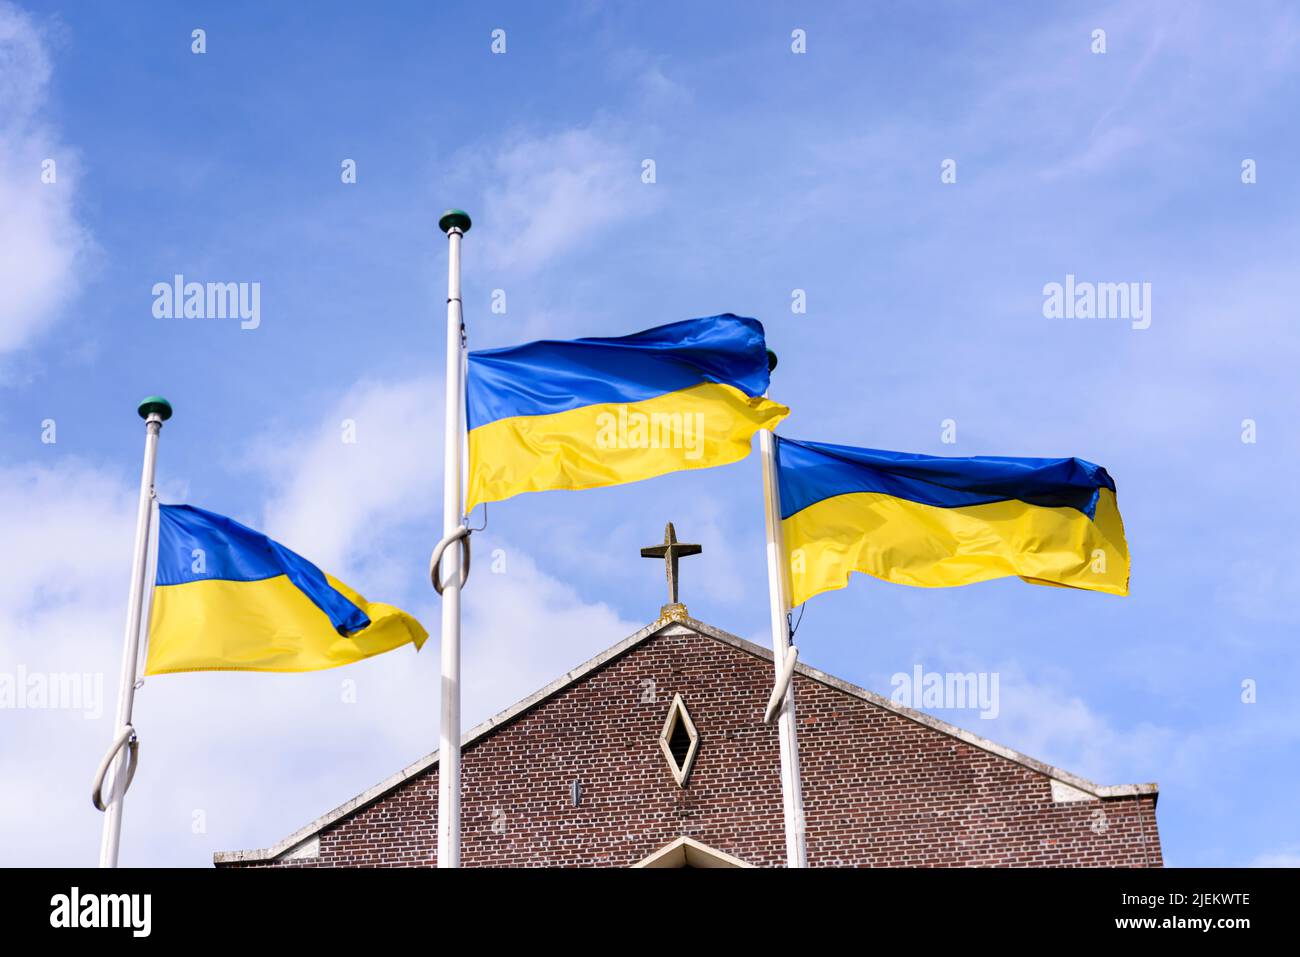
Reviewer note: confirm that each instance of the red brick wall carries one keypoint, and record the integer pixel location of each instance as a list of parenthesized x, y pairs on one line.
[(879, 789)]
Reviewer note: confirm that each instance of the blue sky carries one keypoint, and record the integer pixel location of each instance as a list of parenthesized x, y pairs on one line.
[(775, 171)]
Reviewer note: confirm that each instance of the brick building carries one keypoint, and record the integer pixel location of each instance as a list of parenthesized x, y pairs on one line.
[(655, 753)]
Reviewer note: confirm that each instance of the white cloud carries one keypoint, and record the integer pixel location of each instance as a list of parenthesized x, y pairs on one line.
[(1285, 857), (1102, 150), (556, 193), (1043, 718), (1260, 590), (523, 628), (659, 90), (63, 526), (64, 575), (372, 463), (1055, 725), (45, 246)]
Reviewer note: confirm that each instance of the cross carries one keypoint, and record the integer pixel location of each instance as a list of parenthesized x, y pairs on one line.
[(670, 551)]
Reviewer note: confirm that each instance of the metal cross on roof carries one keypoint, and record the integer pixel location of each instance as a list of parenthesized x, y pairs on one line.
[(670, 551)]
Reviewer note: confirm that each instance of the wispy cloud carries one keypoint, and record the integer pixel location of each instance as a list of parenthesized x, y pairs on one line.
[(45, 246), (365, 466), (1288, 856), (554, 193)]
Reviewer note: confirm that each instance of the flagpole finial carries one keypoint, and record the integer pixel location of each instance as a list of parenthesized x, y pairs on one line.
[(155, 404), (457, 218), (771, 361)]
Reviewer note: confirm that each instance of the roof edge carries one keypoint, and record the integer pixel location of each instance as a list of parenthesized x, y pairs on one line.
[(672, 626)]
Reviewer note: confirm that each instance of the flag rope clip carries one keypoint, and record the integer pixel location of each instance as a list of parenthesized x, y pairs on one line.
[(126, 737), (460, 534)]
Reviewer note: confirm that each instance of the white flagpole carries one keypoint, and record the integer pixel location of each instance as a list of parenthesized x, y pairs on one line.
[(783, 655), (455, 223), (155, 410)]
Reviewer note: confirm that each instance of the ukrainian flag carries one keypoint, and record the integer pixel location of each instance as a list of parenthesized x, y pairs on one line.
[(936, 522), (227, 598), (594, 412)]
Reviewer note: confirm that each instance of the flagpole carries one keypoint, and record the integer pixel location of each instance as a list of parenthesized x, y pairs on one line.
[(783, 655), (455, 223), (155, 410)]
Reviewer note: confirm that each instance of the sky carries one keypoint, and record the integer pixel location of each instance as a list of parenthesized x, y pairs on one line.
[(915, 177)]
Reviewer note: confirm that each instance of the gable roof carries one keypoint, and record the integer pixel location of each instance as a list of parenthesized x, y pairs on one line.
[(1065, 786)]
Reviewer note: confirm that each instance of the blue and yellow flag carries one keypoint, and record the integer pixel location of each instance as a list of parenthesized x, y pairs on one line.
[(593, 412), (227, 598), (936, 522)]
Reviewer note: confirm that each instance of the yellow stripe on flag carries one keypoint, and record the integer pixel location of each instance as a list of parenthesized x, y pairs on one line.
[(266, 625), (910, 543), (610, 444)]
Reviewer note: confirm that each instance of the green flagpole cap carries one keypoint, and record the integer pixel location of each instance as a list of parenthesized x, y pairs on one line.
[(454, 217), (771, 361), (155, 403)]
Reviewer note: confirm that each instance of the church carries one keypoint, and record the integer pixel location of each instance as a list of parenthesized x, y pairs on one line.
[(655, 753)]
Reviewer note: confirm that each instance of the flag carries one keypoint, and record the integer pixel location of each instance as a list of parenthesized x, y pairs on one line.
[(593, 412), (936, 522), (227, 598)]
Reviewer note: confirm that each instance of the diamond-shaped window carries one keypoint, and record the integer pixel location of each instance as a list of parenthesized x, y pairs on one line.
[(679, 741)]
